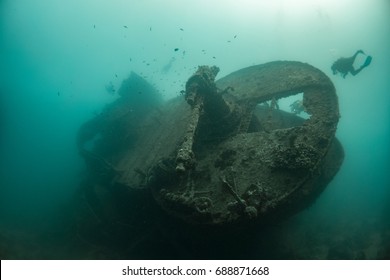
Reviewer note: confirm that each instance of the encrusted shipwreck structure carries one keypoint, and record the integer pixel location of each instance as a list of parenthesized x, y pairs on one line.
[(222, 154)]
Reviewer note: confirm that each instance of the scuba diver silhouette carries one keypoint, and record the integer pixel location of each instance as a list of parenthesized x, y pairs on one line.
[(345, 64)]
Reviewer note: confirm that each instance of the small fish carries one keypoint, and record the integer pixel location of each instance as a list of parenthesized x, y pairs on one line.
[(214, 57), (235, 36), (228, 41), (125, 26), (181, 29), (94, 26), (116, 75), (176, 49), (58, 93), (150, 28)]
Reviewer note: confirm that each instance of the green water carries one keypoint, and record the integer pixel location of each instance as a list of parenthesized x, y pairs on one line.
[(59, 57)]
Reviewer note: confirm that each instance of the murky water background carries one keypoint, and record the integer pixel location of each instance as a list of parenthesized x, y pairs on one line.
[(58, 59)]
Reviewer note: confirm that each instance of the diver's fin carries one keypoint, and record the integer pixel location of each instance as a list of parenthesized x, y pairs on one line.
[(367, 62)]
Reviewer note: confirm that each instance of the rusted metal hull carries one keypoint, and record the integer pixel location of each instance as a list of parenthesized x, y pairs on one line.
[(227, 155)]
